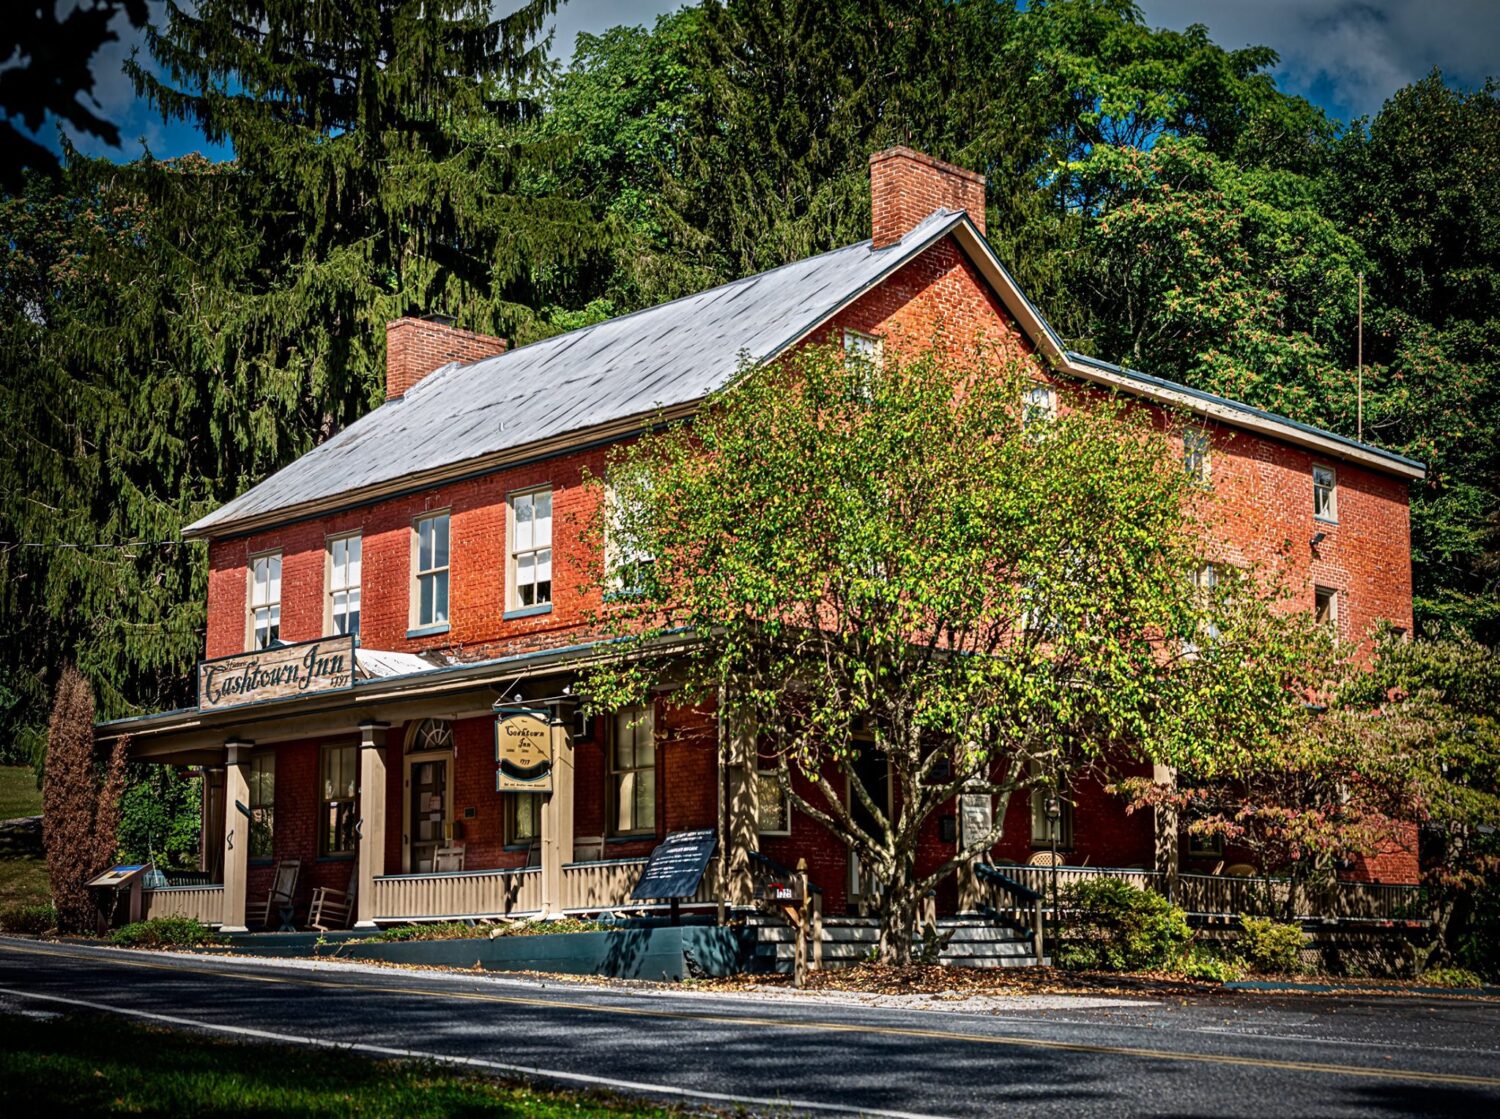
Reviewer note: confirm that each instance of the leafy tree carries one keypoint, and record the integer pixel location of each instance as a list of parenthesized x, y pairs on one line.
[(172, 332), (892, 563), (1436, 703), (1417, 185), (159, 816), (80, 802)]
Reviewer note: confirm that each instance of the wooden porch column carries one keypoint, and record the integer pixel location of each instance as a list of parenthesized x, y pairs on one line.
[(744, 809), (236, 834), (1167, 842), (211, 831), (371, 828), (557, 819)]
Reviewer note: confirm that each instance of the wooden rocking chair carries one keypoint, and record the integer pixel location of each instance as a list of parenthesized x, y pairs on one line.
[(445, 860), (280, 898), (333, 909)]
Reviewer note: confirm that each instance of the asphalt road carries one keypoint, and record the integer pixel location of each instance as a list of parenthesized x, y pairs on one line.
[(1220, 1056)]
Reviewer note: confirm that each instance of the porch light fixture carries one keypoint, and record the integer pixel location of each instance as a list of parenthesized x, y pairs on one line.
[(1318, 538)]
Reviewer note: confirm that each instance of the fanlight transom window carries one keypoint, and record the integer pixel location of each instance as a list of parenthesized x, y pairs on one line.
[(431, 734)]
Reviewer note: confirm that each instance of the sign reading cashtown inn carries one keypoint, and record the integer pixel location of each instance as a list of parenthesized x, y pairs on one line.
[(523, 751), (279, 672)]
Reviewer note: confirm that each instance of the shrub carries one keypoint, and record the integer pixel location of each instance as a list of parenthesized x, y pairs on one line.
[(162, 932), (1111, 925), (28, 919), (80, 802), (1200, 963), (1451, 977), (1271, 947)]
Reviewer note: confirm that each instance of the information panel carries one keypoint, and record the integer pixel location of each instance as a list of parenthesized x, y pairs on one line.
[(676, 866)]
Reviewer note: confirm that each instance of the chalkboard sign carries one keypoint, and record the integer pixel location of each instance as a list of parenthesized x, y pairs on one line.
[(676, 866)]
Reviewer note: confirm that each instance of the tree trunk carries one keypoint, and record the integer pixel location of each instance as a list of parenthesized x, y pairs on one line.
[(899, 905)]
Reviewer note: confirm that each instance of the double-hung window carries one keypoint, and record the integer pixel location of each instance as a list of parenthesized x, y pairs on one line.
[(525, 818), (632, 771), (863, 355), (261, 777), (531, 549), (625, 552), (1051, 818), (265, 600), (340, 783), (343, 584), (1326, 608), (1038, 408), (1195, 455), (1325, 493), (773, 808), (431, 587)]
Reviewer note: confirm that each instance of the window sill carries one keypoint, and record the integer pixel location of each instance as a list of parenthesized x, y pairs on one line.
[(774, 834), (526, 612), (429, 631), (349, 858), (1326, 520), (517, 847), (632, 837)]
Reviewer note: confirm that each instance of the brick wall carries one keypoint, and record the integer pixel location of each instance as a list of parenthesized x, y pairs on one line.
[(417, 347), (907, 186), (1260, 507)]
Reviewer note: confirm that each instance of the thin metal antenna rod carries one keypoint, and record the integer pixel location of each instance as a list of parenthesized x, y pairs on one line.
[(1359, 361)]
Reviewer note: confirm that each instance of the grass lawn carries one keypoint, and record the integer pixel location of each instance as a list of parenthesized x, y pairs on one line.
[(19, 795), (23, 879), (91, 1065)]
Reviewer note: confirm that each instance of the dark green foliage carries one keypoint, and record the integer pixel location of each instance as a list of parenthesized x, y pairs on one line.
[(172, 332), (1109, 925), (159, 816), (163, 932), (1271, 947), (32, 919)]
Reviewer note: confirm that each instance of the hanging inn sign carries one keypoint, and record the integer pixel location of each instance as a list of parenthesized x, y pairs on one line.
[(523, 751), (280, 672)]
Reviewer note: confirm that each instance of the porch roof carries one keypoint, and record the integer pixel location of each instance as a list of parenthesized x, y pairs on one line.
[(190, 735)]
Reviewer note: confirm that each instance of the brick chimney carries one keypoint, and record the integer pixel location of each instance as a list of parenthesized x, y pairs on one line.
[(416, 347), (907, 186)]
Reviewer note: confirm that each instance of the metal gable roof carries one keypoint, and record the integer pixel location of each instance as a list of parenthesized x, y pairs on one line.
[(611, 378), (628, 367)]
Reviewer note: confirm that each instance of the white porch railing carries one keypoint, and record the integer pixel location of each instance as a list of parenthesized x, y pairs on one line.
[(203, 903), (595, 886), (1206, 895), (458, 895)]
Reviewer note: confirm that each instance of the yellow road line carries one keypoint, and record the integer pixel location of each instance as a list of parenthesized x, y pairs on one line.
[(750, 1021)]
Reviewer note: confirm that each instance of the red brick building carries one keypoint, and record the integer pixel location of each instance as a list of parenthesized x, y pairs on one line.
[(370, 604)]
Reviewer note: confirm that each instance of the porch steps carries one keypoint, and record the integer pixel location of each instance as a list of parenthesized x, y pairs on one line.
[(977, 942)]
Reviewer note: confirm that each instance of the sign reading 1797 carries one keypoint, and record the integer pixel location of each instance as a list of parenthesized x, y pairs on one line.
[(279, 672)]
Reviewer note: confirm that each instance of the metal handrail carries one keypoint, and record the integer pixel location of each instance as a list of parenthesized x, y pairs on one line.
[(779, 870), (1007, 883)]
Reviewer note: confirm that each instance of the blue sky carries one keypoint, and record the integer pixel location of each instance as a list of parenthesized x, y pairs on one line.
[(1346, 55)]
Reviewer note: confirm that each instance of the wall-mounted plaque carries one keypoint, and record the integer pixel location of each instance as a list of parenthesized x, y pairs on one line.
[(279, 672), (523, 751)]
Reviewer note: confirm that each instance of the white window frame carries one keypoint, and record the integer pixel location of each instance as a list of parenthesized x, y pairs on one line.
[(1332, 594), (1038, 407), (1326, 510), (342, 579), (440, 574), (619, 563), (642, 722), (260, 779), (863, 352), (271, 605), (767, 779), (532, 802), (1197, 461), (535, 551)]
